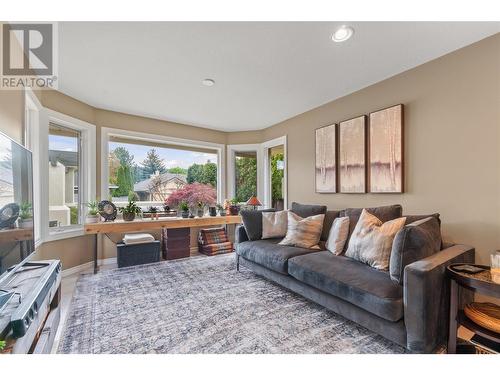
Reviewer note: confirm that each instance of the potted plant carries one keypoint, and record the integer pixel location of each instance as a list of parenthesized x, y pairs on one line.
[(221, 209), (154, 212), (200, 209), (131, 209), (25, 215), (93, 212), (184, 208), (234, 208)]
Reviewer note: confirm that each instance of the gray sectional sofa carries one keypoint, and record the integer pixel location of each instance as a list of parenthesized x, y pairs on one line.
[(407, 304)]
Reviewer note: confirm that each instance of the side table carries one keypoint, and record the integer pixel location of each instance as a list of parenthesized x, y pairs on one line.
[(481, 283)]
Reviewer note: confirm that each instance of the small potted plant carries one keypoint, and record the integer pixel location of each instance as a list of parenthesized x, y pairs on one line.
[(130, 210), (234, 208), (154, 212), (92, 213), (200, 209), (184, 208), (25, 215), (221, 209)]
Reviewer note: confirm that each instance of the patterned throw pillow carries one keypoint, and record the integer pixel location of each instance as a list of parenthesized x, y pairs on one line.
[(371, 240), (274, 224), (338, 235), (303, 232)]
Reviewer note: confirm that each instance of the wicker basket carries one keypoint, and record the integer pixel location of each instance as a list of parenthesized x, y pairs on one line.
[(486, 315)]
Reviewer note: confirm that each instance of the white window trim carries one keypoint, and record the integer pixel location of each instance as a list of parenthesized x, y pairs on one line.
[(231, 170), (280, 141), (37, 133), (32, 113), (107, 133)]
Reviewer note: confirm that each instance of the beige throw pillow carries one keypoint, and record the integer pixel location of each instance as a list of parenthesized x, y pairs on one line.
[(274, 224), (338, 235), (303, 232), (371, 240)]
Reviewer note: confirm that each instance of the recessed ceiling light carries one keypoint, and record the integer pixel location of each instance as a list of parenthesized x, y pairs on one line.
[(342, 34), (208, 82)]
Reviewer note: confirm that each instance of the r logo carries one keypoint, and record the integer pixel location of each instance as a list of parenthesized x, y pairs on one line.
[(27, 49)]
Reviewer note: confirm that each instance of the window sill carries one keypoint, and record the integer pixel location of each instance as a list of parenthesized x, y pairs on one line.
[(56, 235)]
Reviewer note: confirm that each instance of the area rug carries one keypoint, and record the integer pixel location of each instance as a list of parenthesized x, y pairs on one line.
[(203, 305)]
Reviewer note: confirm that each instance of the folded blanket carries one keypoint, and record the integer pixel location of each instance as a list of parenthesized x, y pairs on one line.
[(136, 238)]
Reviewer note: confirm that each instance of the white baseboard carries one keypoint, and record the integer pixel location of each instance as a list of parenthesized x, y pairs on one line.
[(86, 266), (106, 261), (77, 269)]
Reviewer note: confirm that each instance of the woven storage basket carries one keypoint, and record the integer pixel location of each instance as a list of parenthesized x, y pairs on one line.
[(486, 315)]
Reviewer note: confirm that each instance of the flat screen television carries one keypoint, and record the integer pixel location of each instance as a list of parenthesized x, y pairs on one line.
[(16, 204)]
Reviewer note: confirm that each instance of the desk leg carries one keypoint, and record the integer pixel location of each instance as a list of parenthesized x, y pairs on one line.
[(97, 242), (452, 335)]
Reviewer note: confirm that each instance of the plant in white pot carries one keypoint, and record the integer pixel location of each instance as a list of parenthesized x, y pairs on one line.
[(92, 213), (25, 215)]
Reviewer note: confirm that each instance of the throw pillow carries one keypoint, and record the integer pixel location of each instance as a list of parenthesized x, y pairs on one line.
[(338, 235), (252, 221), (274, 224), (415, 241), (371, 241), (303, 232), (384, 213)]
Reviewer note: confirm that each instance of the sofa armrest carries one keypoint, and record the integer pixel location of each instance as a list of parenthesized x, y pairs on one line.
[(427, 297), (240, 234)]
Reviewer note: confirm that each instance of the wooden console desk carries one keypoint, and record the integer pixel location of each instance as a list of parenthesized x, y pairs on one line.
[(145, 225)]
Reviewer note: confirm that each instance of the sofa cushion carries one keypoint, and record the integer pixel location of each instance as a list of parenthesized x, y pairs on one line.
[(252, 221), (415, 241), (306, 210), (269, 254), (355, 282), (383, 213), (338, 235), (412, 218), (274, 224), (330, 217), (303, 232), (371, 241)]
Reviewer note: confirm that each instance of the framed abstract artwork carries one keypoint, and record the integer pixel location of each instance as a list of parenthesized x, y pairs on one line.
[(386, 150), (326, 162), (352, 155)]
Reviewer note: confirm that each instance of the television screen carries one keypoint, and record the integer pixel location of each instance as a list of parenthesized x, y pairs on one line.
[(16, 203)]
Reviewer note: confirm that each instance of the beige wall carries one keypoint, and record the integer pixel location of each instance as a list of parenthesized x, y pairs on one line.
[(452, 145), (452, 142)]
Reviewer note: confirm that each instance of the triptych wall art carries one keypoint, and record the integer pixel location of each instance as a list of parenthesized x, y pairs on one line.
[(363, 154)]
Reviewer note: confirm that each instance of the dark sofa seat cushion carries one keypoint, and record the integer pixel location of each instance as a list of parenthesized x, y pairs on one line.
[(355, 282), (269, 254)]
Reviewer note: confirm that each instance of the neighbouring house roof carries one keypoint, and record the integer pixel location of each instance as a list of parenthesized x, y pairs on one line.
[(165, 178), (66, 158)]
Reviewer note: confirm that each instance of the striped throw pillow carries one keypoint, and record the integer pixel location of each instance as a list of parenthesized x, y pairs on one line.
[(303, 232)]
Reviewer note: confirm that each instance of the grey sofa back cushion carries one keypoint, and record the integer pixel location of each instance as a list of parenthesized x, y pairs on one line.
[(415, 241), (383, 213), (412, 218), (306, 210), (330, 216), (252, 221)]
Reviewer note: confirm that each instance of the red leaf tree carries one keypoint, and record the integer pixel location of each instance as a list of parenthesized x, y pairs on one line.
[(193, 194)]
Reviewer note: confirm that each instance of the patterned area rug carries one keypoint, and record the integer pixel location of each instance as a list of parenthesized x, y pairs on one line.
[(202, 305)]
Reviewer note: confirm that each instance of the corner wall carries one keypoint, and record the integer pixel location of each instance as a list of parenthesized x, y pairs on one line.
[(452, 143)]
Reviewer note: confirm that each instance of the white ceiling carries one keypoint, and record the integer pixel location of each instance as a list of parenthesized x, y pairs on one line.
[(264, 72)]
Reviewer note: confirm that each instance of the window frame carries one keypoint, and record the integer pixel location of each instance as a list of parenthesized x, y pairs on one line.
[(232, 150), (107, 133), (266, 146), (37, 139)]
